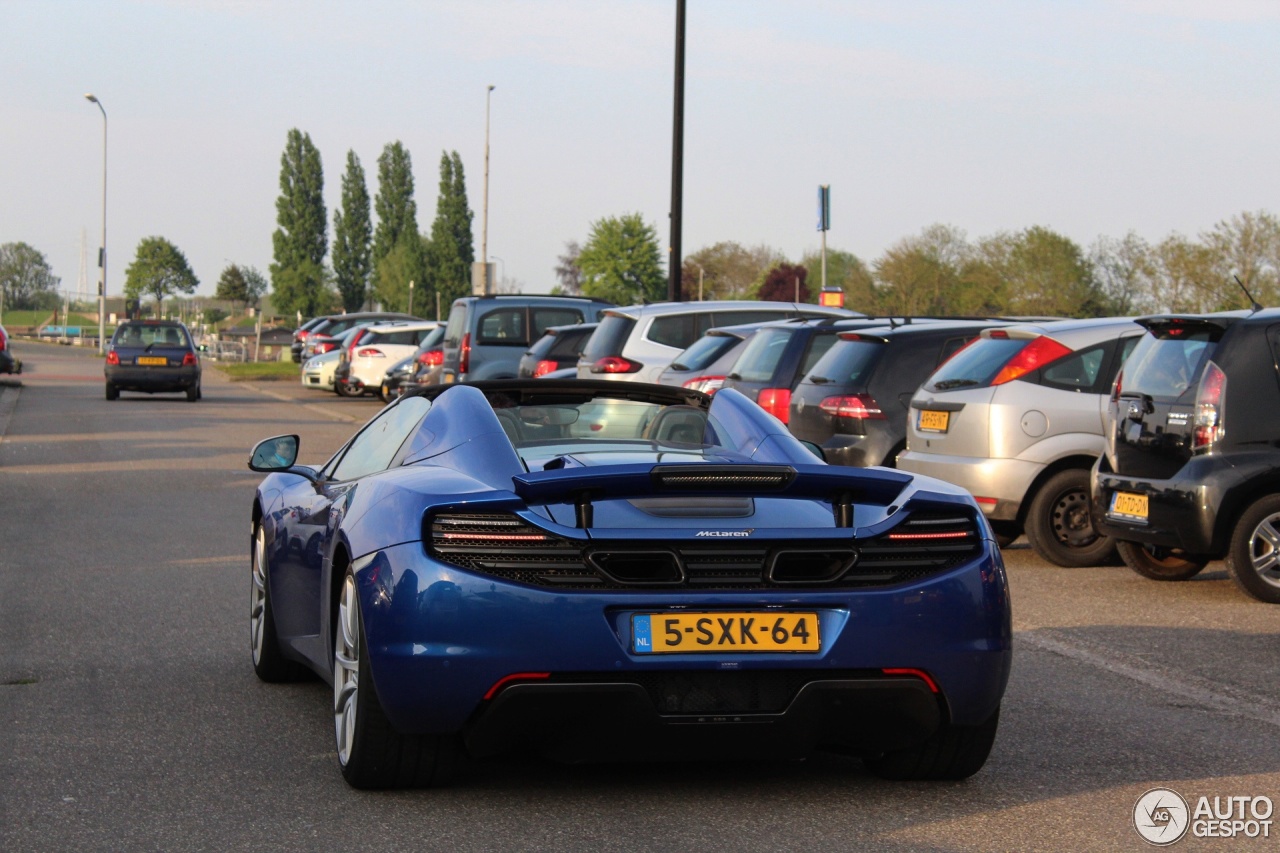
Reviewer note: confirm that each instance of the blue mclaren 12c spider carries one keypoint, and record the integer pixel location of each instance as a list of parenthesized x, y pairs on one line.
[(607, 570)]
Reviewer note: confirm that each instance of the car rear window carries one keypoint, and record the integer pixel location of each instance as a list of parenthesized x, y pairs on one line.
[(456, 325), (704, 351), (675, 330), (568, 343), (819, 344), (1165, 367), (848, 363), (504, 326), (609, 337), (975, 365), (760, 359), (148, 335)]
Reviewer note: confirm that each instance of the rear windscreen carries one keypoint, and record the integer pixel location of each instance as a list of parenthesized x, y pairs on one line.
[(975, 365), (151, 336), (568, 343), (1165, 367), (704, 351), (760, 359), (609, 337), (848, 363)]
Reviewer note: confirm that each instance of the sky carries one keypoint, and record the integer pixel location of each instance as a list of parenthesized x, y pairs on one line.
[(1089, 118)]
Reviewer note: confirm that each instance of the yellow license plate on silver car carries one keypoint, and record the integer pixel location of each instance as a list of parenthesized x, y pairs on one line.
[(931, 421), (725, 633), (1129, 505)]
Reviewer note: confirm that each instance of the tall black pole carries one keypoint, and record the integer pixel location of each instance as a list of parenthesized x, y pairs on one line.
[(676, 262)]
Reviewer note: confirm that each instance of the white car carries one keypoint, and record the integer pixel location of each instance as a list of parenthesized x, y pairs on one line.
[(317, 371), (364, 362)]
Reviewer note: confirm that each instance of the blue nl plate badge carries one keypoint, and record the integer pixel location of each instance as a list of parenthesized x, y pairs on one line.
[(641, 636)]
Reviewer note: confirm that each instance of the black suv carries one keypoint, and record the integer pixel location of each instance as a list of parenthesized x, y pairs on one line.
[(1191, 471), (854, 402)]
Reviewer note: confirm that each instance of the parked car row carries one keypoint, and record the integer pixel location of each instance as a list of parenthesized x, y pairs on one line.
[(1017, 413)]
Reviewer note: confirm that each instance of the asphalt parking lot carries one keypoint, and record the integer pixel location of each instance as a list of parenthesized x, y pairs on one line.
[(133, 720)]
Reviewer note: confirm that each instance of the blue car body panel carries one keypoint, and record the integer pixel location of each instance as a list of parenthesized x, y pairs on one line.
[(442, 638)]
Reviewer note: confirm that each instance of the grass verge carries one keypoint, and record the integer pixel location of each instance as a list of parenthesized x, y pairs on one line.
[(257, 371)]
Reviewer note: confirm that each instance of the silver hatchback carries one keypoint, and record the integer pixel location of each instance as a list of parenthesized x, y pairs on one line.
[(1016, 418)]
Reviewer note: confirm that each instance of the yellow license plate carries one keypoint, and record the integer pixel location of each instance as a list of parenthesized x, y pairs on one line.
[(934, 421), (448, 379), (724, 633), (153, 359), (1129, 505)]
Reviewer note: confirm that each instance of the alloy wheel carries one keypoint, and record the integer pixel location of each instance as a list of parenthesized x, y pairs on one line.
[(346, 669), (1264, 549), (258, 596)]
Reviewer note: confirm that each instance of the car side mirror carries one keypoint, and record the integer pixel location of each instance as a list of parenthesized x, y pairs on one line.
[(274, 454)]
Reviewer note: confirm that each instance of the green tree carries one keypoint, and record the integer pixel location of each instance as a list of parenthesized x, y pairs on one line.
[(450, 252), (1126, 274), (847, 272), (399, 253), (213, 316), (300, 241), (233, 287), (729, 270), (925, 275), (255, 285), (622, 262), (1185, 275), (352, 237), (26, 280), (159, 269), (1246, 246)]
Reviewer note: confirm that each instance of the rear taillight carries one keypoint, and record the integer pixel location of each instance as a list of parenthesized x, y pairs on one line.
[(777, 402), (544, 367), (355, 339), (1033, 356), (616, 364), (464, 357), (861, 406), (1210, 400), (112, 357), (370, 352), (432, 358), (705, 384), (3, 341), (326, 346), (189, 360)]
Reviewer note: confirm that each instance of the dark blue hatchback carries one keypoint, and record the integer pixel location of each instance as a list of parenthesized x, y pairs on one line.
[(152, 356)]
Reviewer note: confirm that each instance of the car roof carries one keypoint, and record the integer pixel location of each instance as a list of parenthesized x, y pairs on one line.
[(403, 326), (531, 297), (658, 309)]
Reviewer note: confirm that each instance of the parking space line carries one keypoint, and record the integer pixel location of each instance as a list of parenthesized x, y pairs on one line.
[(1210, 695)]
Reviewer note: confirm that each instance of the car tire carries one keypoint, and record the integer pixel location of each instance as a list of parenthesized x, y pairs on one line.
[(952, 752), (371, 753), (193, 393), (264, 644), (1253, 560), (384, 393), (344, 390), (1161, 564), (1058, 524), (113, 393)]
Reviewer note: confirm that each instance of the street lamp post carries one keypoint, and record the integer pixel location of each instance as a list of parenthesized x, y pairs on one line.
[(102, 252), (484, 228)]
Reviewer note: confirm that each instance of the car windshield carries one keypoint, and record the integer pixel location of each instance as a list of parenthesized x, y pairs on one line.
[(704, 351), (759, 360), (1165, 367), (975, 365), (847, 363)]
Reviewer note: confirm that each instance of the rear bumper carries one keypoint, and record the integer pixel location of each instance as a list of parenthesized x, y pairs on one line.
[(1005, 480), (1182, 512), (135, 378), (621, 718), (858, 451), (9, 363), (440, 640)]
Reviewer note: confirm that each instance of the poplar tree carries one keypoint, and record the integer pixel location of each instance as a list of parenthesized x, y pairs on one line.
[(451, 251), (398, 252), (300, 241), (352, 236)]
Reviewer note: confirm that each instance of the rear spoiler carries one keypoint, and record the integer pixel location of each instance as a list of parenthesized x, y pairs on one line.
[(1165, 321), (839, 486)]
